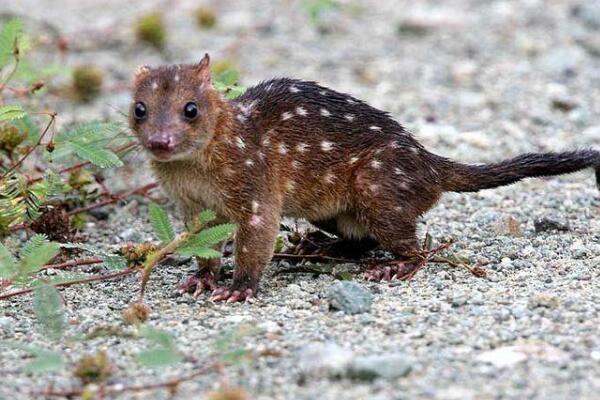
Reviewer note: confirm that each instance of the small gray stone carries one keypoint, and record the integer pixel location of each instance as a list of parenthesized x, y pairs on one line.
[(544, 300), (324, 359), (388, 366), (349, 297), (550, 224), (131, 235)]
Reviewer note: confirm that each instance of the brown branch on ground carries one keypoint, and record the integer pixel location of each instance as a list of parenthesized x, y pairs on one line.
[(72, 263), (117, 389), (95, 278)]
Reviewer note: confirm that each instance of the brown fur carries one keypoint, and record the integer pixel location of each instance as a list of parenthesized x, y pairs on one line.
[(294, 148)]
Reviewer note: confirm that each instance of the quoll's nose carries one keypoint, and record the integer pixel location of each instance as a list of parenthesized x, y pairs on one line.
[(161, 142)]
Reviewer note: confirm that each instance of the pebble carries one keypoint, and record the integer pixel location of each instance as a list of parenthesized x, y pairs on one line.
[(349, 297), (386, 366)]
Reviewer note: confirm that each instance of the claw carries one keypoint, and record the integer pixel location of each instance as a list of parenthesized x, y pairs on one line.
[(224, 294), (188, 284)]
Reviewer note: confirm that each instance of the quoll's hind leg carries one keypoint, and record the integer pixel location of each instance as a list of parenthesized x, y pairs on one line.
[(205, 279)]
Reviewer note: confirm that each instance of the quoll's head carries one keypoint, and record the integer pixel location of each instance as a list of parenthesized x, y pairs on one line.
[(174, 109)]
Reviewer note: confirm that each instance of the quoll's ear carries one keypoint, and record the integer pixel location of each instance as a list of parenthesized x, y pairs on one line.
[(203, 70), (142, 71)]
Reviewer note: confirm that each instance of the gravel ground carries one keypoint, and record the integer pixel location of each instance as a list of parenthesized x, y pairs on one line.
[(474, 80)]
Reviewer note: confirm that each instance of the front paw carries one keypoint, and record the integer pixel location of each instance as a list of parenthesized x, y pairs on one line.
[(234, 293), (198, 283)]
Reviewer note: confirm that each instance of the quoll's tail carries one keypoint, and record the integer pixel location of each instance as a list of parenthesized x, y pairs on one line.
[(471, 178)]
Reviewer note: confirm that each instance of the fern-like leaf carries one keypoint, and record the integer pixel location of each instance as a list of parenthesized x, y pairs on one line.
[(37, 252), (200, 252), (11, 112), (49, 310), (8, 263), (206, 238), (161, 223), (110, 260), (9, 39), (103, 158)]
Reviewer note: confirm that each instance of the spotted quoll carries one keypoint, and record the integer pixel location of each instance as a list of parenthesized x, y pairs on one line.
[(289, 147)]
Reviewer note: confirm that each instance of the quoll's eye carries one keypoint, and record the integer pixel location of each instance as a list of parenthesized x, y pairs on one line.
[(139, 111), (190, 111)]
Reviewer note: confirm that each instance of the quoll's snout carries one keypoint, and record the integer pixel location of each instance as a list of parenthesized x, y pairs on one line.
[(161, 144)]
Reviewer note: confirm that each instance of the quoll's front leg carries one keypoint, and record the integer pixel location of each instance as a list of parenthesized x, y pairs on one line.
[(254, 243)]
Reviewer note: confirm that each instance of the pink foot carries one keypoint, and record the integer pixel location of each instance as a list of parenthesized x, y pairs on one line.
[(392, 270), (231, 295), (197, 284)]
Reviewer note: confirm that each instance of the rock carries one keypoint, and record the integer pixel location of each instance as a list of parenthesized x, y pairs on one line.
[(578, 250), (509, 356), (6, 325), (544, 300), (349, 297), (564, 103), (131, 235), (324, 359), (588, 13), (388, 366), (550, 224), (458, 299), (507, 225), (101, 213)]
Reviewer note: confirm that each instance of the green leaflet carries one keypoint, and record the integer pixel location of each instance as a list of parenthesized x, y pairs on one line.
[(161, 223), (164, 353), (110, 260), (44, 360), (9, 38), (8, 263), (11, 112), (205, 239), (98, 156), (49, 310)]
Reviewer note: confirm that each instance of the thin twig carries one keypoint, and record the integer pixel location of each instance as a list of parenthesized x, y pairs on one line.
[(113, 390), (103, 277), (315, 257), (72, 263), (52, 116)]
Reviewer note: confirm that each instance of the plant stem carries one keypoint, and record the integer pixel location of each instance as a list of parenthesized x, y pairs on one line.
[(52, 116), (114, 390), (72, 263)]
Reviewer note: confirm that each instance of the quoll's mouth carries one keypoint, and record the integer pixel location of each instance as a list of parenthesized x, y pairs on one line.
[(161, 145)]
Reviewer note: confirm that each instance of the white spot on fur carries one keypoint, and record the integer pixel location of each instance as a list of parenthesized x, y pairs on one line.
[(301, 147), (349, 117), (241, 118), (376, 164), (378, 152), (255, 206), (403, 185), (414, 150), (255, 220), (244, 249), (154, 85), (260, 155), (239, 142), (398, 171), (353, 160), (394, 145), (323, 93), (398, 208), (375, 128), (176, 79), (249, 162), (329, 177), (296, 164), (351, 101), (282, 149), (286, 115), (290, 186), (325, 112), (294, 89), (326, 145), (301, 111), (266, 141), (246, 109), (373, 187)]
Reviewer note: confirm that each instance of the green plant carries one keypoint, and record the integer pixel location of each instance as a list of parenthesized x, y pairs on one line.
[(87, 82), (151, 29), (197, 241), (227, 82), (315, 9), (23, 192), (206, 17)]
